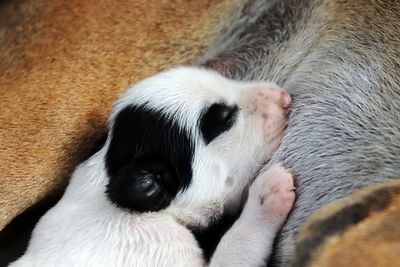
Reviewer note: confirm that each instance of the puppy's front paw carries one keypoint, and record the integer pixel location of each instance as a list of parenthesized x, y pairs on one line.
[(272, 194)]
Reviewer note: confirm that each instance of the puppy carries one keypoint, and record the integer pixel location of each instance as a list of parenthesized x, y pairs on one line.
[(183, 147)]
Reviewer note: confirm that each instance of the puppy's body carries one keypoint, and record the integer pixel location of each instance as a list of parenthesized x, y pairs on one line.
[(182, 149), (86, 229), (340, 62)]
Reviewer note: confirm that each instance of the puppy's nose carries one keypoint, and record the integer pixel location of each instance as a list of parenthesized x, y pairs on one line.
[(286, 100), (280, 97), (264, 97)]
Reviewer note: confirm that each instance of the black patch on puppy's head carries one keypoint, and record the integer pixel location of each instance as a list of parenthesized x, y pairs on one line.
[(149, 159)]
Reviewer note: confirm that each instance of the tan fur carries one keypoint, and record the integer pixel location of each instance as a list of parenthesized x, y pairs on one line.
[(63, 64), (372, 241)]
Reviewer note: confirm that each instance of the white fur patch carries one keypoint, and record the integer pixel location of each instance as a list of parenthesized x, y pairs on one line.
[(86, 229)]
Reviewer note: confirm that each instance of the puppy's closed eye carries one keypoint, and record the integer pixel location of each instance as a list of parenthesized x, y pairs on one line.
[(217, 119)]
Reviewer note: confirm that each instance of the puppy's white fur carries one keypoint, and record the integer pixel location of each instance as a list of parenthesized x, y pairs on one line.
[(86, 229)]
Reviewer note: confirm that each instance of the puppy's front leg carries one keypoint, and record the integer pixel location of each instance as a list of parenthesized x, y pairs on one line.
[(249, 241)]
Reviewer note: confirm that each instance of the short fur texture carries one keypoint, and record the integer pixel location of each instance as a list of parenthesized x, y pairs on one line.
[(339, 60), (360, 230), (63, 64), (173, 178)]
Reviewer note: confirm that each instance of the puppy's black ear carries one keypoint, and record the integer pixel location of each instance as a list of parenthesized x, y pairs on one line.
[(144, 185)]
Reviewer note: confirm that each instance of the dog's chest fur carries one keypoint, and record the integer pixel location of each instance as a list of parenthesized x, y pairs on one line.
[(339, 60)]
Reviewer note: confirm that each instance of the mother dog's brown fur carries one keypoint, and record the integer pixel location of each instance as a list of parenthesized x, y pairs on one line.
[(360, 230), (63, 63)]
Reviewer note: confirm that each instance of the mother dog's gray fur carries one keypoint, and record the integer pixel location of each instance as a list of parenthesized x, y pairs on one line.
[(341, 62)]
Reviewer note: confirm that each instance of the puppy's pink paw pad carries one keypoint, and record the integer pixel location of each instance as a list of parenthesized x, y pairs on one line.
[(275, 189)]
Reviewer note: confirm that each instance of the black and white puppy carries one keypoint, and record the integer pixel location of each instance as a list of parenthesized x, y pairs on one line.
[(183, 146)]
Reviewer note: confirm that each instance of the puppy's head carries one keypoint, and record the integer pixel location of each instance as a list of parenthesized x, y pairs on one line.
[(188, 141)]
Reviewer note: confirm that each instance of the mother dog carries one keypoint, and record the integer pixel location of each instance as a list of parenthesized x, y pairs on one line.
[(340, 60)]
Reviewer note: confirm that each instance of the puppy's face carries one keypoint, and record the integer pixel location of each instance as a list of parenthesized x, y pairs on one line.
[(188, 141)]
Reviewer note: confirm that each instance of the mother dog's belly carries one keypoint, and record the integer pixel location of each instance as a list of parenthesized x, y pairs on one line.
[(340, 63)]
